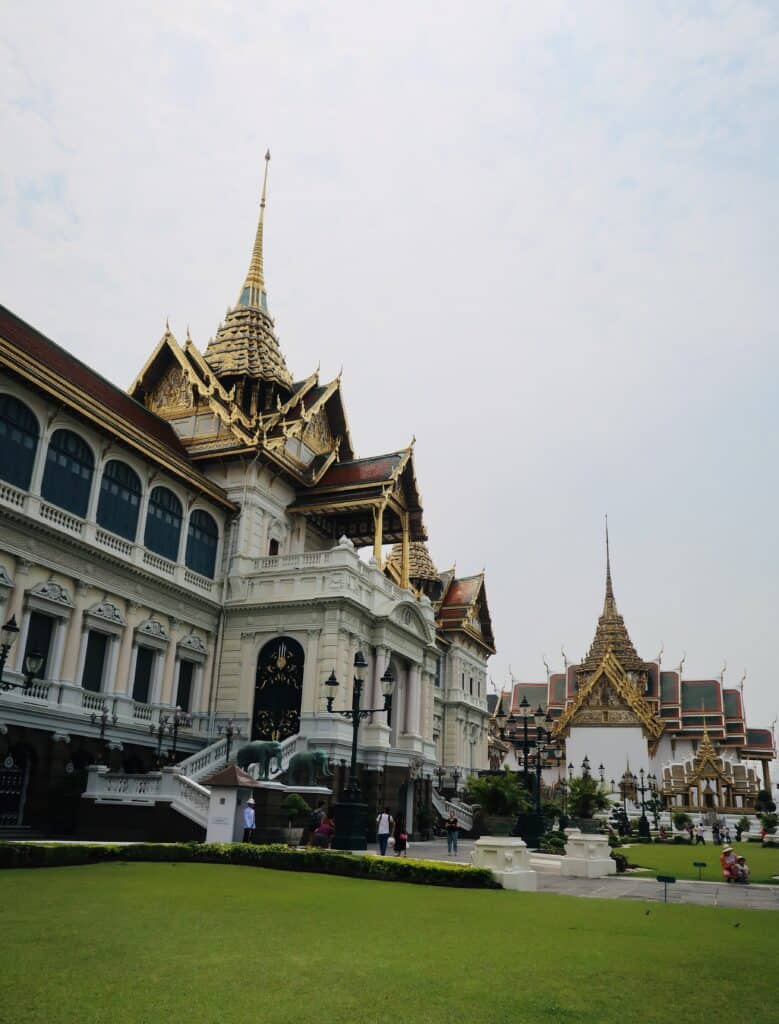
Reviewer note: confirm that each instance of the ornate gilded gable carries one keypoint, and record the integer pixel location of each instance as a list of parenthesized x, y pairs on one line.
[(172, 393), (317, 435)]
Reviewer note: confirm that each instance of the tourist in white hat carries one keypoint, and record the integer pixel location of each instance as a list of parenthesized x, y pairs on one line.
[(249, 821)]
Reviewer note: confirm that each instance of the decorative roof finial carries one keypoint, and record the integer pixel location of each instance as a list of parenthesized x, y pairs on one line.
[(609, 604), (253, 291)]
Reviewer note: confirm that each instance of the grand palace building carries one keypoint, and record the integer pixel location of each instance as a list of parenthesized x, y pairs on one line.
[(624, 715), (191, 559)]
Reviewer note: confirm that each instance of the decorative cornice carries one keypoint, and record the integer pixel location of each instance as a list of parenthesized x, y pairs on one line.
[(153, 628), (108, 611), (192, 642)]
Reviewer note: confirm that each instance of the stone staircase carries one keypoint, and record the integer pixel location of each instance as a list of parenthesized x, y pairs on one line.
[(179, 785), (463, 812)]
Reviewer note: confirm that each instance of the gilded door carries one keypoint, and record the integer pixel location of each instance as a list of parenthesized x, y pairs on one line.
[(278, 690)]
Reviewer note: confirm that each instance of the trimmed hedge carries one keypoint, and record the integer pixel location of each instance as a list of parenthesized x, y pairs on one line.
[(283, 858)]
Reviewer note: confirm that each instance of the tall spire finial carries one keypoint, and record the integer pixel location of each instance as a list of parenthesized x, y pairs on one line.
[(609, 604), (253, 291)]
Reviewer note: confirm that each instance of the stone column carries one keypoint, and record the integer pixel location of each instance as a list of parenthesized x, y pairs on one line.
[(73, 641), (767, 776), (122, 680), (166, 689), (412, 701)]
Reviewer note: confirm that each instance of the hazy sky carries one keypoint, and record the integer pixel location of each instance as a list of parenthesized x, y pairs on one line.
[(539, 236)]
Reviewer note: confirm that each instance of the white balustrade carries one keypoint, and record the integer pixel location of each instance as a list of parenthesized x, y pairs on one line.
[(60, 518), (11, 495), (463, 812), (202, 582), (169, 568), (114, 543)]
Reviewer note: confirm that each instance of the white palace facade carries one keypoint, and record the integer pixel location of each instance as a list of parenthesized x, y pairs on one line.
[(195, 544)]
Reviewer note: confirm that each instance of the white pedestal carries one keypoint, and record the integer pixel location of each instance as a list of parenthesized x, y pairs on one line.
[(587, 856), (223, 818), (508, 859)]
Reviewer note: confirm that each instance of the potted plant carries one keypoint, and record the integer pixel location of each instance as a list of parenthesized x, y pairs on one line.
[(293, 806)]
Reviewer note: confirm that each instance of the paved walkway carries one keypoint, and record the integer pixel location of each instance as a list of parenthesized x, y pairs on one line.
[(625, 887)]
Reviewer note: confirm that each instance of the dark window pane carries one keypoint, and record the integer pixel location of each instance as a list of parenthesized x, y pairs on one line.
[(273, 548), (39, 637), (184, 692), (163, 523), (67, 478), (202, 538), (144, 663), (94, 660), (18, 441), (120, 499)]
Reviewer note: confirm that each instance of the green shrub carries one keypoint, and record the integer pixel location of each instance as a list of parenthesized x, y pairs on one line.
[(283, 858), (621, 860), (744, 823), (681, 820), (552, 842), (499, 793), (682, 840), (614, 840), (769, 821)]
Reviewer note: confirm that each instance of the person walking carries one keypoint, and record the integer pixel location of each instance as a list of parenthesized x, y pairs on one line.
[(401, 837), (315, 819), (384, 826), (249, 821), (700, 839), (452, 827)]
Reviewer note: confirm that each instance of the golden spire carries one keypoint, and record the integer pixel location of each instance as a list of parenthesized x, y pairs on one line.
[(253, 292), (609, 604)]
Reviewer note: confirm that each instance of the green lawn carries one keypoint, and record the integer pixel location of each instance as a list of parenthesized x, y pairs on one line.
[(678, 860), (202, 943)]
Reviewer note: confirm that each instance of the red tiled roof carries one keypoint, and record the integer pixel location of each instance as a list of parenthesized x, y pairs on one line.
[(47, 352), (44, 364), (361, 471), (462, 591)]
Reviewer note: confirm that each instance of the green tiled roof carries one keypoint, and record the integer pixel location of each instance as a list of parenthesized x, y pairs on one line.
[(701, 696), (668, 687), (732, 709)]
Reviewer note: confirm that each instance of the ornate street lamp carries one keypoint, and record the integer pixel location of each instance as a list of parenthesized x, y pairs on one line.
[(602, 773), (586, 767), (104, 718), (440, 774), (160, 730), (351, 812), (8, 637), (231, 732), (570, 769), (456, 776), (643, 821), (178, 720)]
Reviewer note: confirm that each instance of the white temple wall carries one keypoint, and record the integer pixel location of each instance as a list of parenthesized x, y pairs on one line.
[(612, 746)]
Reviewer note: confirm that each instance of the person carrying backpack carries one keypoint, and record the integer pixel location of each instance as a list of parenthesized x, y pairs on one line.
[(384, 826), (316, 818)]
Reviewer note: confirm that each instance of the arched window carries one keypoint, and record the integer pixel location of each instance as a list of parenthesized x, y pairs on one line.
[(67, 479), (202, 538), (163, 523), (18, 441), (120, 499)]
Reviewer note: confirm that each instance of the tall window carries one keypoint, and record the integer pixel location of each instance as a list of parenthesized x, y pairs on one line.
[(163, 523), (202, 538), (144, 666), (18, 441), (184, 691), (67, 478), (39, 634), (94, 661), (120, 499)]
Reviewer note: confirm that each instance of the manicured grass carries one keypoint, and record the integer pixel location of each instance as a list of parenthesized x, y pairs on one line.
[(127, 943), (678, 860)]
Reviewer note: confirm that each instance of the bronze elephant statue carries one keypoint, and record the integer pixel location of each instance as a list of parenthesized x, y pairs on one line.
[(309, 763), (261, 753)]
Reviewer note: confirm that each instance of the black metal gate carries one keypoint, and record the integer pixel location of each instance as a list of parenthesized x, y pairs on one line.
[(278, 690), (13, 789)]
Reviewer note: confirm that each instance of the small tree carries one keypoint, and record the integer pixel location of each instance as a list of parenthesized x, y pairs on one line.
[(763, 802), (497, 793), (769, 821), (292, 806), (743, 823), (682, 821), (586, 797)]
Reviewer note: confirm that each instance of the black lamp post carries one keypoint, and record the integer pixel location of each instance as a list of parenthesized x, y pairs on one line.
[(456, 776), (104, 718), (570, 769), (160, 730), (602, 773), (643, 821), (8, 637), (179, 718), (529, 826), (654, 803), (562, 785), (230, 731), (440, 774), (350, 812), (586, 767)]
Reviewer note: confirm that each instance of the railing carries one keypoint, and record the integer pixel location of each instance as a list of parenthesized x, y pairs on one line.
[(206, 760), (56, 515), (143, 712), (93, 701), (461, 811), (11, 496), (169, 568), (190, 798), (37, 690), (114, 543), (300, 561), (168, 786), (197, 580)]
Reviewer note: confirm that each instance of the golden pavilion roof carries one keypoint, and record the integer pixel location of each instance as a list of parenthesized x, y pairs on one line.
[(421, 565), (611, 633), (245, 344)]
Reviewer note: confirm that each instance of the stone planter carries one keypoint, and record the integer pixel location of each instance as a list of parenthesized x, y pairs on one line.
[(293, 836)]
